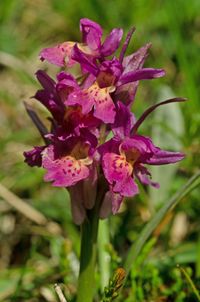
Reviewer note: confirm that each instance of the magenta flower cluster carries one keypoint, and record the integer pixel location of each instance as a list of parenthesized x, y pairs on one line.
[(93, 139)]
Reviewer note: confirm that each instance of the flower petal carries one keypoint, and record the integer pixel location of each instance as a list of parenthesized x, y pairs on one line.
[(141, 74), (118, 172), (34, 157), (162, 157), (144, 176), (37, 121), (66, 84), (124, 121), (136, 60), (91, 32), (148, 153), (99, 98), (59, 55), (126, 93), (126, 43), (112, 42), (79, 97), (109, 72), (65, 171), (138, 148), (104, 108), (86, 61), (49, 96)]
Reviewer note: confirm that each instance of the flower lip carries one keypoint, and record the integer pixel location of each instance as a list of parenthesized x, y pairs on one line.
[(65, 171), (95, 98)]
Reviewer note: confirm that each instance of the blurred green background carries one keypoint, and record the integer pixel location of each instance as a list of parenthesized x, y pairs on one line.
[(34, 254)]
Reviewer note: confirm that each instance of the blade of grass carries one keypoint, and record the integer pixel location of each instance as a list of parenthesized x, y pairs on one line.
[(189, 280), (136, 248), (198, 258)]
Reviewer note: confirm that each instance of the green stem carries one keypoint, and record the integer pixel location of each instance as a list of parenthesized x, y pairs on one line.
[(89, 231), (103, 255)]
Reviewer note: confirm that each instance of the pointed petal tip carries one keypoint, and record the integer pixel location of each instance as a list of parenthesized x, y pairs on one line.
[(132, 30), (160, 73)]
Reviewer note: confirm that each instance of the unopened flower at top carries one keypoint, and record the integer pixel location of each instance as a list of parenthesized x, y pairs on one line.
[(93, 142)]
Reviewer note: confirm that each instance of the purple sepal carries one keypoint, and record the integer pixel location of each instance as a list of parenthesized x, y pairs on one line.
[(91, 33), (141, 74), (37, 121), (87, 62), (144, 176), (162, 157), (34, 157), (65, 85), (49, 96), (126, 43), (59, 55), (136, 60), (126, 93), (124, 121), (111, 146), (109, 72), (112, 42)]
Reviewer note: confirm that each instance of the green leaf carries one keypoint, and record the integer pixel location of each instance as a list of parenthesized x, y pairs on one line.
[(137, 246), (190, 282)]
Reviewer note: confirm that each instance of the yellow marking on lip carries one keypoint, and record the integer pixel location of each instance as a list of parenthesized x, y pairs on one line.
[(131, 155), (120, 163), (100, 95)]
